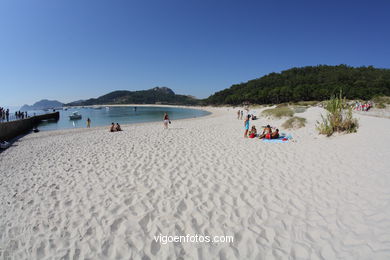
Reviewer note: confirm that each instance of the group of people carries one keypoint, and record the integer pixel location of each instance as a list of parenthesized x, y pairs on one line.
[(4, 114), (362, 106), (267, 131), (20, 115), (240, 114), (115, 127)]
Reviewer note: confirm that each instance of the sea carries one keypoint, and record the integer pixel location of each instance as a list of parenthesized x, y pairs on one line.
[(104, 116)]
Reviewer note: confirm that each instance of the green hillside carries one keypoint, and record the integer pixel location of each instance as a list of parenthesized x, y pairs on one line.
[(307, 83), (160, 95)]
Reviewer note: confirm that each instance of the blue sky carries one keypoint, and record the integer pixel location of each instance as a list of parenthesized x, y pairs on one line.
[(76, 49)]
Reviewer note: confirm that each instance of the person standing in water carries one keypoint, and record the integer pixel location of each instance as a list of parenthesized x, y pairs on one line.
[(246, 125), (88, 123), (166, 120)]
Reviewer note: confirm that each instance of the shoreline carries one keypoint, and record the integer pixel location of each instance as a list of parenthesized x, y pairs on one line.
[(209, 109)]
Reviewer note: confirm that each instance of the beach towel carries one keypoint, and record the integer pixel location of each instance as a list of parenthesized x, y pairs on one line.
[(281, 139)]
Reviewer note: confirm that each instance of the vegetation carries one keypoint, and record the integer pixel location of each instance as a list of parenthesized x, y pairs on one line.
[(294, 122), (380, 106), (162, 95), (307, 84), (339, 117), (278, 112), (381, 99), (298, 109)]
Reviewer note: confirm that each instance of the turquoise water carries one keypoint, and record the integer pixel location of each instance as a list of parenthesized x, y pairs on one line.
[(104, 116)]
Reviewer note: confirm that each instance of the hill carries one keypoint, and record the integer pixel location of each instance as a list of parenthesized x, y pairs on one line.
[(43, 104), (162, 95), (307, 83)]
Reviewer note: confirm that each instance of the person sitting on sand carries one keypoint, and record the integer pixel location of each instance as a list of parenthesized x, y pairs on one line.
[(253, 130), (118, 127), (113, 128), (266, 132), (275, 135)]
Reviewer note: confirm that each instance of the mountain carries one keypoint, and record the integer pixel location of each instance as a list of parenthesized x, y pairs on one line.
[(307, 83), (159, 95), (43, 104)]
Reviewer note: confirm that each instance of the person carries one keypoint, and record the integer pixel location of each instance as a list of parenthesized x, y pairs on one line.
[(242, 113), (166, 120), (238, 114), (275, 134), (246, 125), (253, 132), (88, 123), (266, 132), (112, 129), (7, 114), (118, 127)]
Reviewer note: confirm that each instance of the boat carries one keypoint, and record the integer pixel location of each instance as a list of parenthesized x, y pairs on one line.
[(75, 116)]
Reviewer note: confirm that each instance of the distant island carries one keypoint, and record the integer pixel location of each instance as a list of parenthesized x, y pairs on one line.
[(307, 84), (43, 104), (157, 95)]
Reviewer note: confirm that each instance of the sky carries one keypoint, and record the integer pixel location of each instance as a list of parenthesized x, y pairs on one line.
[(69, 50)]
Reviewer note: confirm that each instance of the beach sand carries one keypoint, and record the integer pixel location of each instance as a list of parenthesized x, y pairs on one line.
[(91, 194)]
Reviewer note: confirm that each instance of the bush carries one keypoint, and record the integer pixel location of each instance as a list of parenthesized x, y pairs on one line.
[(299, 109), (380, 106), (278, 112), (306, 103), (381, 99), (338, 119), (294, 122)]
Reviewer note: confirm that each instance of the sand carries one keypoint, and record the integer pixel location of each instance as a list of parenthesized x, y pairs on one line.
[(91, 194)]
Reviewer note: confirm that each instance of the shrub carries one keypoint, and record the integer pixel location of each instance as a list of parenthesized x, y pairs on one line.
[(294, 122), (338, 119), (380, 106), (381, 99), (306, 103), (299, 109), (278, 112)]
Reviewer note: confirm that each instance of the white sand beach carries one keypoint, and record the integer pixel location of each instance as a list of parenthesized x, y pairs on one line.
[(92, 194)]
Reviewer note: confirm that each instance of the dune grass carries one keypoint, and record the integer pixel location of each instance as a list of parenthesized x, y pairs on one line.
[(338, 119), (380, 105), (306, 103), (278, 112), (299, 109), (381, 100), (294, 122)]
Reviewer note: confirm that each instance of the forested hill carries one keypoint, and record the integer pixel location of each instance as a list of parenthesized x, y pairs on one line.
[(162, 95), (307, 83)]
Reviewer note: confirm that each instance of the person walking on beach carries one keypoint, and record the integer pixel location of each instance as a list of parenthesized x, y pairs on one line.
[(242, 113), (246, 125), (88, 123), (238, 114), (166, 120)]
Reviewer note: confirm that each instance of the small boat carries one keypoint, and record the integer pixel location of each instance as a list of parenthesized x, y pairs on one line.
[(75, 116)]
